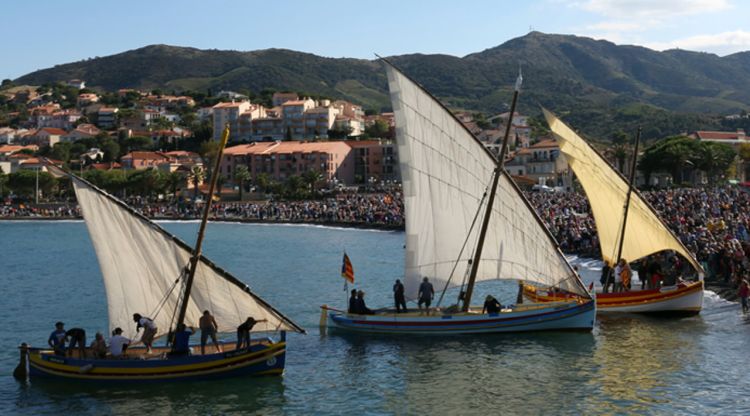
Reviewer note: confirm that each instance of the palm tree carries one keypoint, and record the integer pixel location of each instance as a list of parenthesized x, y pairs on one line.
[(263, 181), (196, 176), (311, 178), (241, 175), (220, 181)]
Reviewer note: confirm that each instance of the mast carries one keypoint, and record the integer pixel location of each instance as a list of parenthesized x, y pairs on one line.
[(491, 199), (201, 231), (631, 180)]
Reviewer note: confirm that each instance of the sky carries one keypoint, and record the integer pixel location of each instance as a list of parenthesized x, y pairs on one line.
[(42, 33)]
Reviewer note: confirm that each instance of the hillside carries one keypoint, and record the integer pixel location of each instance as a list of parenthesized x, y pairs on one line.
[(595, 84)]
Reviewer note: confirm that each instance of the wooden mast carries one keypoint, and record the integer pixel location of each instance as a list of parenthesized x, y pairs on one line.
[(631, 180), (490, 200), (201, 231)]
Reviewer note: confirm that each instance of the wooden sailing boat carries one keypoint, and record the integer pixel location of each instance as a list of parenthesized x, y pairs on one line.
[(449, 179), (147, 270), (628, 227)]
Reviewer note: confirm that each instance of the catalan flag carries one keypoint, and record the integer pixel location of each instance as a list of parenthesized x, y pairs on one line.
[(347, 271)]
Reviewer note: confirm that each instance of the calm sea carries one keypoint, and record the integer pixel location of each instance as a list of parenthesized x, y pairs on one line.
[(628, 365)]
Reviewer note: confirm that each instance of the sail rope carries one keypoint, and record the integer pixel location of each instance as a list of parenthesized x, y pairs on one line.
[(466, 240), (163, 300)]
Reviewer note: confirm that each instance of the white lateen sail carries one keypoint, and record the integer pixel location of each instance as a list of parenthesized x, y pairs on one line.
[(607, 192), (140, 263), (445, 172)]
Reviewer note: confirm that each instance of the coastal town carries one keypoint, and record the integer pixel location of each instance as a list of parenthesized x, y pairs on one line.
[(323, 161)]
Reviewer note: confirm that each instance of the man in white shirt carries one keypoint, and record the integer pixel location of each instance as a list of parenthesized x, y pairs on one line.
[(118, 343)]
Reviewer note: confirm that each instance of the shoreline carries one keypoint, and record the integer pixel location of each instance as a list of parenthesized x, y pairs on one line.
[(337, 224)]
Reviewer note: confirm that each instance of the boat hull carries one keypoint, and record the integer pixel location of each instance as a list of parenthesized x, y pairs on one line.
[(554, 317), (259, 360), (681, 299)]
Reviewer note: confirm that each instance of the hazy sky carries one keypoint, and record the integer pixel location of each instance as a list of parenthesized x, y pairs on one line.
[(38, 34)]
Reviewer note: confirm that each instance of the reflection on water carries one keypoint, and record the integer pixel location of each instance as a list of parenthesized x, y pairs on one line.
[(636, 357)]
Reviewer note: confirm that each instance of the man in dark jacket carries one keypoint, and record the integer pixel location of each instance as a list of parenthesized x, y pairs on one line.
[(398, 296)]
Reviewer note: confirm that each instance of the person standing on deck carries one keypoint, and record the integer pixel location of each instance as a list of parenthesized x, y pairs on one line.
[(618, 277), (491, 305), (208, 327), (149, 330), (425, 295), (181, 346), (243, 332), (77, 337), (605, 278), (57, 339), (398, 296)]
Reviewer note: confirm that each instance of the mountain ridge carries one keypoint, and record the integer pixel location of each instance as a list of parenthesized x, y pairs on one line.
[(569, 74)]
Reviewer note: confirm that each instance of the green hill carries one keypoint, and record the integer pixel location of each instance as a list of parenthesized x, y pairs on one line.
[(598, 86)]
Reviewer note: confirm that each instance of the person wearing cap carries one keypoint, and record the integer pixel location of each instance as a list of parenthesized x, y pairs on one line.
[(57, 339), (118, 343)]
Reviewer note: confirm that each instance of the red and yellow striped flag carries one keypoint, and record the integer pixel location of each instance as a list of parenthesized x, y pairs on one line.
[(347, 271)]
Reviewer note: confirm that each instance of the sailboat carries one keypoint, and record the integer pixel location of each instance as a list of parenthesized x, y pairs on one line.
[(450, 182), (629, 228), (147, 270)]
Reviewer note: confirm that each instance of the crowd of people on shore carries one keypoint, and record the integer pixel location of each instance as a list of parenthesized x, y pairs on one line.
[(381, 209), (713, 223)]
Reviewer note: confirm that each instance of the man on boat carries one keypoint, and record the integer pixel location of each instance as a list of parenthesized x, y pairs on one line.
[(360, 307), (491, 305), (353, 302), (57, 339), (149, 330), (181, 344), (398, 296), (208, 327), (99, 346), (77, 337), (605, 279), (243, 332), (425, 295), (118, 343)]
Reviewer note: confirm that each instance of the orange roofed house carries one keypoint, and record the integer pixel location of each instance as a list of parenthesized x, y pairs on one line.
[(280, 160)]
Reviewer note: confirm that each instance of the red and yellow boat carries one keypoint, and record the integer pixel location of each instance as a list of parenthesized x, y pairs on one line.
[(684, 298)]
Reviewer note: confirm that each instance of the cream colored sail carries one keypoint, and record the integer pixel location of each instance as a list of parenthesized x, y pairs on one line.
[(445, 171), (607, 192), (140, 263)]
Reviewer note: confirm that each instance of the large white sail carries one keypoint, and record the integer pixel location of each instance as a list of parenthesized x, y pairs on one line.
[(445, 171), (140, 263), (607, 192)]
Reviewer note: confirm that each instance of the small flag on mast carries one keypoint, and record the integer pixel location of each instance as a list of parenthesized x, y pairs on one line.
[(347, 271)]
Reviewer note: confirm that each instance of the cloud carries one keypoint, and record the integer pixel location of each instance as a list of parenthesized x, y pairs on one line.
[(721, 43), (651, 9)]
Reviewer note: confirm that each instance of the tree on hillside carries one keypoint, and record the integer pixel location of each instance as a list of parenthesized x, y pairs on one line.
[(744, 152), (241, 177), (175, 181), (23, 182)]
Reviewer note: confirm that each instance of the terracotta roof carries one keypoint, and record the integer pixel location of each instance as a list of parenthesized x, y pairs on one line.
[(143, 155), (51, 130), (270, 148), (105, 166), (720, 135), (227, 105), (293, 102), (12, 148), (545, 144), (362, 143)]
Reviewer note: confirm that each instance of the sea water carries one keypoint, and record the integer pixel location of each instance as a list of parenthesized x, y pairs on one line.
[(627, 365)]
